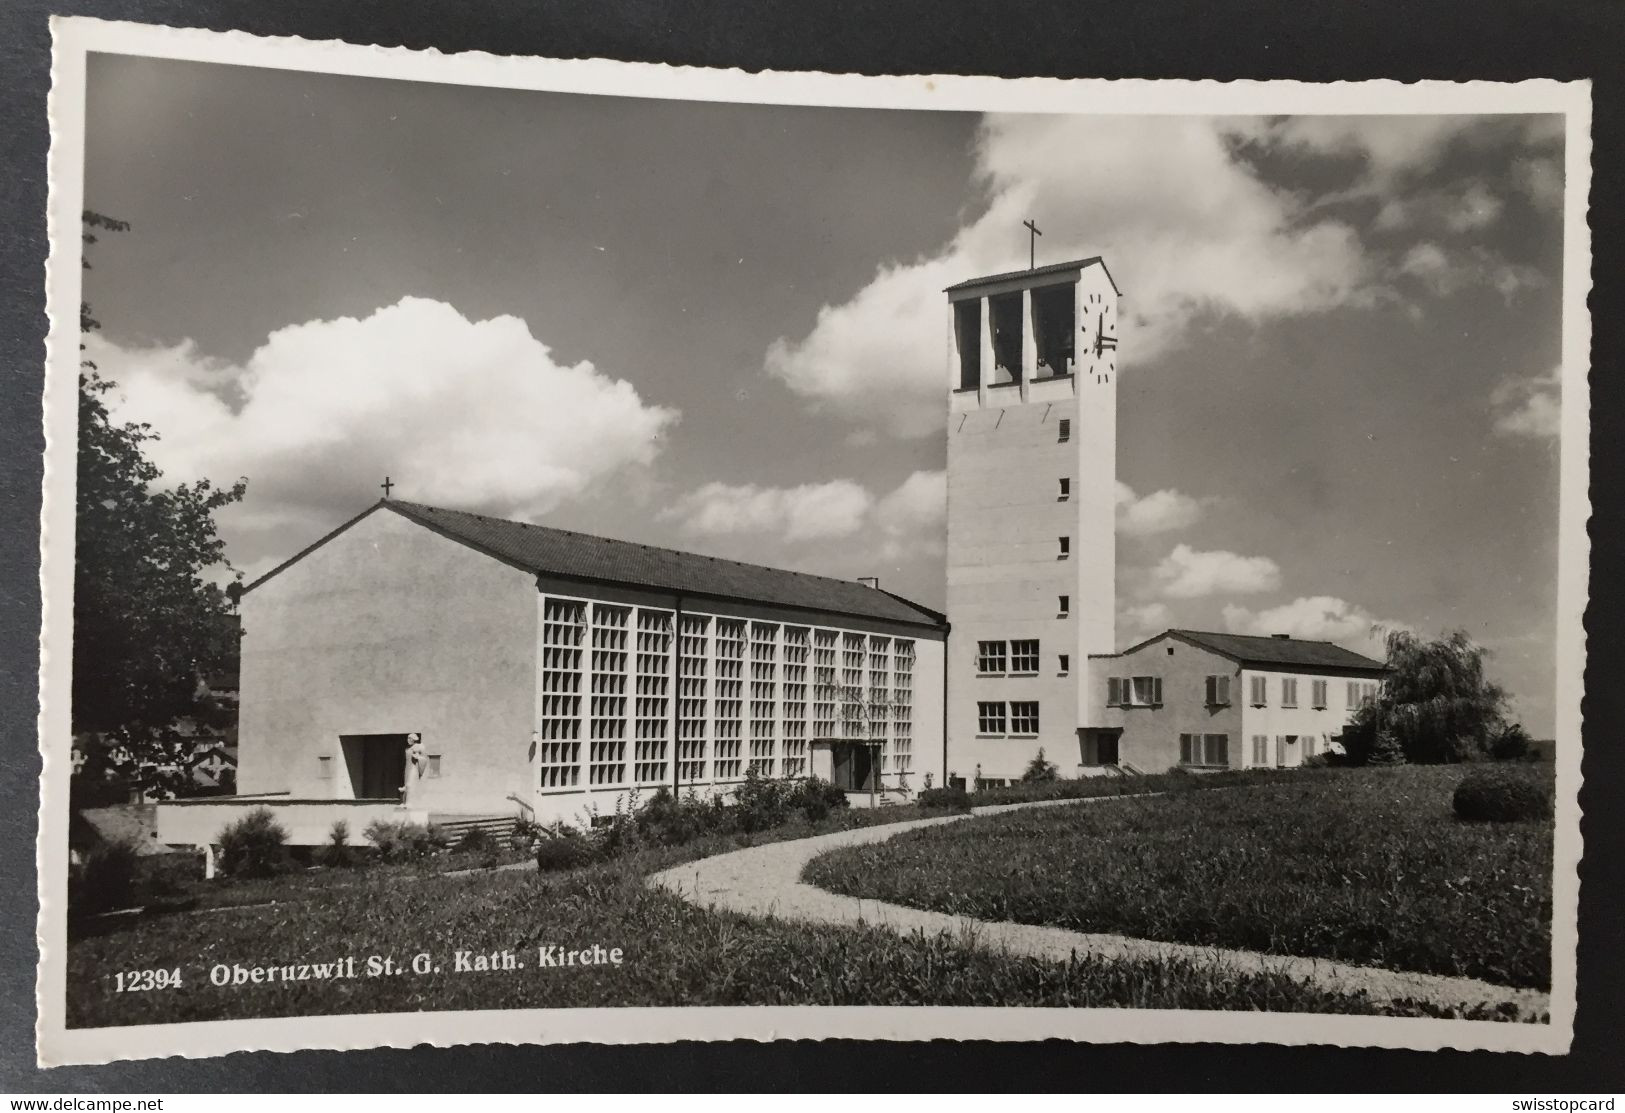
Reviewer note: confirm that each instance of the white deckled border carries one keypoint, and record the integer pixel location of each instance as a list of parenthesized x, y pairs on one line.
[(75, 37)]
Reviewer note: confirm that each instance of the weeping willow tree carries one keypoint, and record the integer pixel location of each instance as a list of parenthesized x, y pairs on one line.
[(1435, 705)]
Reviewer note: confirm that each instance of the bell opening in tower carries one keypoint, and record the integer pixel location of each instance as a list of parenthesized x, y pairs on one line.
[(1055, 321), (1004, 312), (968, 335)]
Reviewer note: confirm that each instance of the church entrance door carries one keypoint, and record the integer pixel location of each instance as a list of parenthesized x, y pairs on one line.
[(376, 764), (854, 767)]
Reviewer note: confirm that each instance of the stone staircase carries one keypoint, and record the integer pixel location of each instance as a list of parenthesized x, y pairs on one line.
[(500, 827)]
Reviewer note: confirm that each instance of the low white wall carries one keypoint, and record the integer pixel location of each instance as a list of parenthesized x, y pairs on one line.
[(308, 822)]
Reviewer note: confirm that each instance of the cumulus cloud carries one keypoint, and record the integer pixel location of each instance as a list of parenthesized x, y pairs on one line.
[(907, 518), (1147, 618), (1119, 187), (1314, 618), (805, 513), (1444, 272), (473, 414), (1529, 407), (1467, 210), (1188, 573), (1159, 512)]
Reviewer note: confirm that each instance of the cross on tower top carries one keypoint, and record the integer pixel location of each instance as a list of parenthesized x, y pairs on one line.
[(1032, 244), (386, 485)]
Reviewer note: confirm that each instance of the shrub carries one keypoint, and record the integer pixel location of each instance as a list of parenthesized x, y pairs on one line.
[(106, 881), (337, 851), (816, 798), (763, 802), (405, 842), (1511, 744), (253, 846), (564, 852), (1039, 770), (1500, 796), (956, 799), (476, 840)]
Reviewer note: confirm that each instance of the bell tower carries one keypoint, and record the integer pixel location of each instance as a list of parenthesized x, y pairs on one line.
[(1032, 503)]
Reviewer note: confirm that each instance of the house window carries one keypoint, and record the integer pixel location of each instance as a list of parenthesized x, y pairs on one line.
[(1261, 749), (1317, 694), (1066, 662), (990, 656), (1024, 656), (1066, 490), (1204, 749), (1260, 691), (1024, 717), (1065, 430), (1066, 605), (990, 717), (1066, 547), (1146, 691), (1361, 692), (1289, 691), (324, 768), (433, 767), (1218, 691)]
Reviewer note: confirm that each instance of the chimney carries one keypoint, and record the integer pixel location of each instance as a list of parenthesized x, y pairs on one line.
[(1283, 637), (870, 581)]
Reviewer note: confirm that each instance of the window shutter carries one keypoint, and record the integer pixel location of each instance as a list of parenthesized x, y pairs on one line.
[(1114, 692), (1156, 691), (1212, 691), (1224, 690)]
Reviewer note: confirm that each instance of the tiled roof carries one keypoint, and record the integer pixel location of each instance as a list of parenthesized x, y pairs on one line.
[(1254, 649), (543, 549), (1049, 268)]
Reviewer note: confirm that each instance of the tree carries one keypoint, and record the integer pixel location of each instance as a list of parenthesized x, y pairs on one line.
[(1435, 705), (148, 624), (1040, 770)]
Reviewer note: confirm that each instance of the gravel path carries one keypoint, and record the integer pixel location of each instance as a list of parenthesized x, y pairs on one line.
[(765, 881)]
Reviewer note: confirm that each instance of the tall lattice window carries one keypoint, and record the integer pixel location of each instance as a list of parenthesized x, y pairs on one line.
[(824, 684), (653, 681), (606, 743), (879, 695), (558, 734), (728, 764), (693, 663), (851, 694), (903, 705), (764, 645), (795, 701)]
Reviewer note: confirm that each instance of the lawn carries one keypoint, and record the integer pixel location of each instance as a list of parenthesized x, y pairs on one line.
[(673, 953), (1365, 865)]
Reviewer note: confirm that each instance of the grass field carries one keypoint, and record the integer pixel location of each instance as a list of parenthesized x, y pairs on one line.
[(674, 954), (1364, 865)]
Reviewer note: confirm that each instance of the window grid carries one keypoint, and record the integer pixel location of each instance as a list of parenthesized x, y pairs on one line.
[(558, 734), (990, 717), (990, 656), (764, 639), (730, 689), (824, 683), (1024, 655), (652, 696), (1024, 717), (903, 705), (794, 759), (693, 659), (851, 694), (606, 728), (880, 696)]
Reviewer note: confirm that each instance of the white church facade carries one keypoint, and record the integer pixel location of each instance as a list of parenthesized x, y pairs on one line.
[(461, 666)]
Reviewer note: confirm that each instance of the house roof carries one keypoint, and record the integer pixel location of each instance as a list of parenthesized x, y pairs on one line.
[(1035, 272), (545, 550), (1272, 651)]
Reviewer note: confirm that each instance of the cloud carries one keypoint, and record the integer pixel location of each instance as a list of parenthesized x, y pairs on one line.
[(1314, 618), (908, 518), (1159, 512), (1529, 407), (1468, 210), (1119, 187), (1187, 573), (805, 513), (1445, 271), (1541, 180), (473, 414), (1146, 618)]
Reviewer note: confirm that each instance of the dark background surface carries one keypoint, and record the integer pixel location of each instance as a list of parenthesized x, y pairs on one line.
[(1316, 41)]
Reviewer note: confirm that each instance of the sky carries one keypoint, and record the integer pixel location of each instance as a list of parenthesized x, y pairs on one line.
[(721, 328)]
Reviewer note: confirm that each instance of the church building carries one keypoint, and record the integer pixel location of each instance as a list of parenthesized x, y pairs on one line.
[(474, 667)]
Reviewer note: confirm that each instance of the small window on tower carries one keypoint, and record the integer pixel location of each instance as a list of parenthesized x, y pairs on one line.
[(1065, 433), (1066, 605), (1066, 490), (1066, 662), (1066, 547), (324, 768)]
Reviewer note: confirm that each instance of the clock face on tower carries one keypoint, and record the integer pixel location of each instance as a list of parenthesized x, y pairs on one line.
[(1098, 328)]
